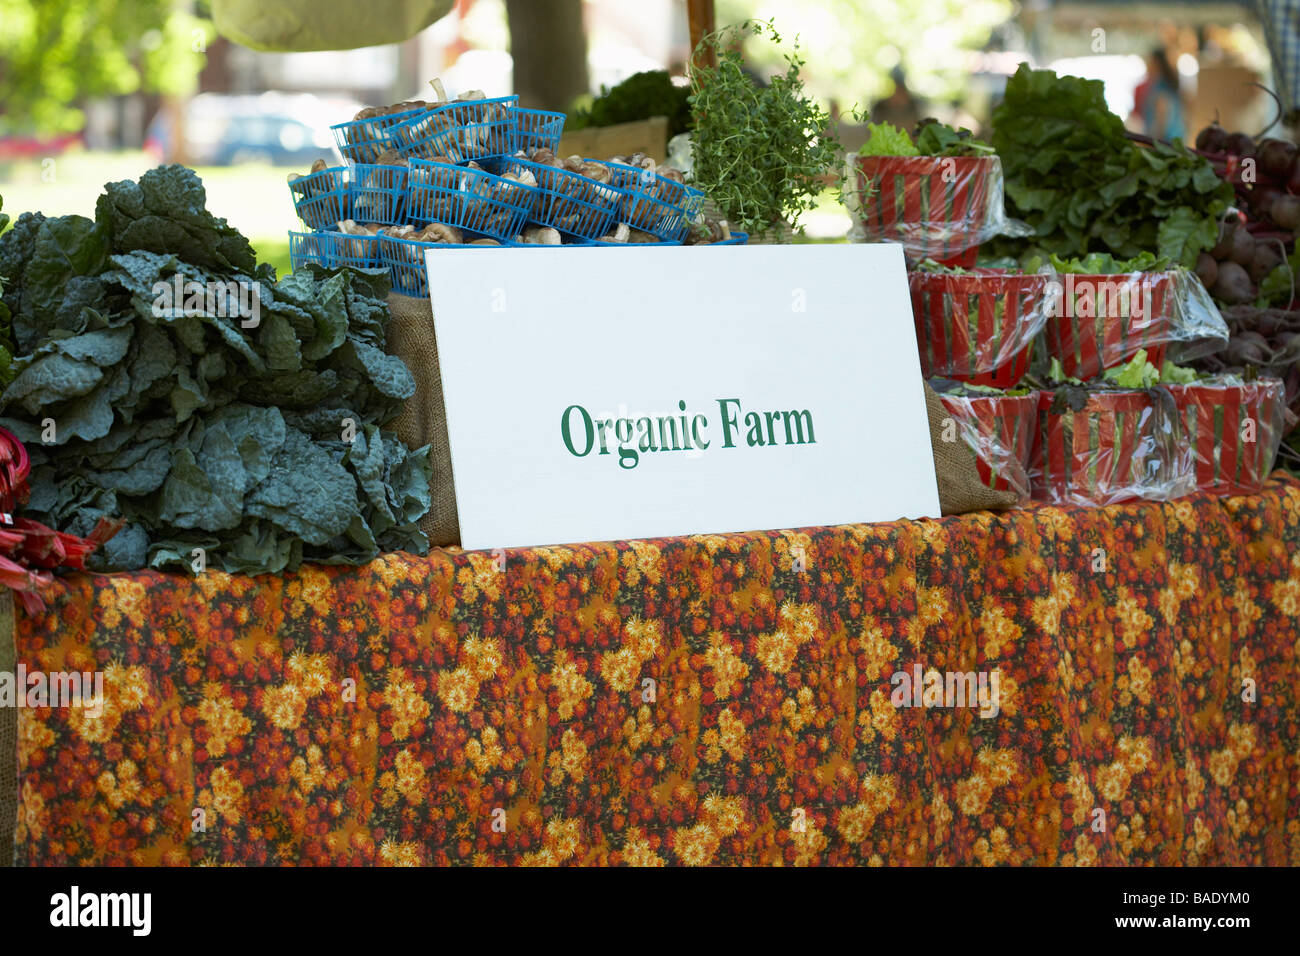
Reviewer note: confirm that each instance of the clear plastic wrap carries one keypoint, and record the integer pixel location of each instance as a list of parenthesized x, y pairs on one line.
[(1231, 430), (977, 327), (1102, 447), (999, 429), (938, 207), (1099, 321)]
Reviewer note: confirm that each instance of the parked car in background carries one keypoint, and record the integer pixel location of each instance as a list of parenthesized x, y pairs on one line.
[(281, 129), (27, 147)]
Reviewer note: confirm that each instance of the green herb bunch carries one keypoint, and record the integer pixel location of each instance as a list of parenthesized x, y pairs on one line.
[(759, 151), (639, 97)]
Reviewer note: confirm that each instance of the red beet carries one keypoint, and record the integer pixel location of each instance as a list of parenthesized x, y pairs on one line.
[(1233, 284), (1223, 247), (1243, 247), (1285, 211), (1212, 139), (1275, 157), (1207, 269)]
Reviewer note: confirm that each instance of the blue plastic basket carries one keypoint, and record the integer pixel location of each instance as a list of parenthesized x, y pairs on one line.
[(332, 249), (569, 202), (322, 199), (305, 247), (737, 239), (469, 199), (653, 204), (363, 140), (536, 129), (405, 261), (460, 131), (378, 193)]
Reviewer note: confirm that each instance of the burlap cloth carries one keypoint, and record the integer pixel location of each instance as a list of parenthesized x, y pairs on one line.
[(424, 421), (8, 735), (960, 488)]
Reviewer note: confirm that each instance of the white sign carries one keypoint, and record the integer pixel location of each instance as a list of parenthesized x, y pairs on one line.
[(597, 394)]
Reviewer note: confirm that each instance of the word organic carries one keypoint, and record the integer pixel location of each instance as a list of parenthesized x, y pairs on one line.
[(584, 433)]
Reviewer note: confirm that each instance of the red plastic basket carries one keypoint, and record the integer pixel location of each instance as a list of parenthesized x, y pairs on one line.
[(1109, 451), (1011, 420), (1228, 458), (1088, 345), (936, 205), (976, 328)]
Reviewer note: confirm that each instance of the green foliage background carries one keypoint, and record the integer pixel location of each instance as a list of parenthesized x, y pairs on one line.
[(55, 54), (851, 45)]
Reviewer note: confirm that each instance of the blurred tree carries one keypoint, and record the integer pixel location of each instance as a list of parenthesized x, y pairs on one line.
[(548, 42), (852, 45), (56, 54)]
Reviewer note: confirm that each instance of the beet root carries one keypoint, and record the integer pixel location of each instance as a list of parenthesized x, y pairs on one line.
[(1243, 247), (1233, 284), (1207, 270)]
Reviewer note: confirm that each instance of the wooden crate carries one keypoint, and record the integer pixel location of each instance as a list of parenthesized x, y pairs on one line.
[(623, 139)]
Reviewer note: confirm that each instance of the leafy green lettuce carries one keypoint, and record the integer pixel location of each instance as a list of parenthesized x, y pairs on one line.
[(932, 139), (1073, 174), (1099, 263), (1140, 372), (886, 139), (938, 139)]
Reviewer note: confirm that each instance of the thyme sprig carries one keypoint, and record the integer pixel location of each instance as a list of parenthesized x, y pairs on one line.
[(760, 152)]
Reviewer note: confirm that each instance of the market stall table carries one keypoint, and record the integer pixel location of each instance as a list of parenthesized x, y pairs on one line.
[(708, 699)]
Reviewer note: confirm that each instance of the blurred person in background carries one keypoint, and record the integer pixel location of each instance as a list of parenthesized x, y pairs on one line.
[(1281, 19), (899, 107), (1158, 100)]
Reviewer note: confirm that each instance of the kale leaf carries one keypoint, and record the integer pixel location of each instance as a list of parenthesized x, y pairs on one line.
[(201, 425)]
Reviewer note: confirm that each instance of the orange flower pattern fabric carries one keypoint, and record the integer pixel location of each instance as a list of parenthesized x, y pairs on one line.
[(716, 699)]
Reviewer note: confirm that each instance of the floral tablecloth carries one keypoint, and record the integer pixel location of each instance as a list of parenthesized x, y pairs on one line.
[(713, 699)]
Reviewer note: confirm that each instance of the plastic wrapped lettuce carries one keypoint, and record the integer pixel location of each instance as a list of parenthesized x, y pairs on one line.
[(1102, 446), (940, 194), (998, 426), (977, 325), (1231, 428), (1101, 312)]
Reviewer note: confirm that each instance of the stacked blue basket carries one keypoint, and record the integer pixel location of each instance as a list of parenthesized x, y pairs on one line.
[(479, 130), (321, 199), (536, 129), (470, 199), (463, 164), (655, 204), (361, 141), (568, 202)]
